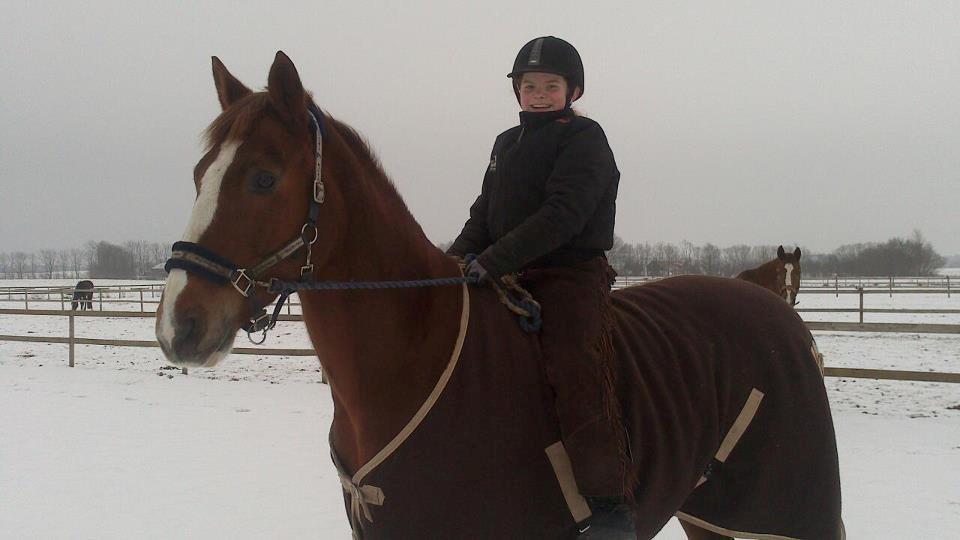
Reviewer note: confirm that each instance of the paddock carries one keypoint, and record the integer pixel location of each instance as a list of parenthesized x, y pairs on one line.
[(125, 444)]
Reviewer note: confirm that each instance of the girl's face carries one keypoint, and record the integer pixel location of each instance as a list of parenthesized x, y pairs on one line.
[(541, 92)]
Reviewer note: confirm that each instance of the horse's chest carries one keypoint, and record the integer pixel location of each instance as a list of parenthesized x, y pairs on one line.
[(476, 466)]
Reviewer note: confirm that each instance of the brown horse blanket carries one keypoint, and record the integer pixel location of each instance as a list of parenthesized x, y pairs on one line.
[(698, 347), (690, 352)]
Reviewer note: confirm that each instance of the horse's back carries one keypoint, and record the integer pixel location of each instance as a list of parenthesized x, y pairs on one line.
[(692, 351)]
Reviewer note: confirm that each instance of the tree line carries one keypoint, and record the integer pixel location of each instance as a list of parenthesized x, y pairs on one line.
[(913, 256), (130, 260)]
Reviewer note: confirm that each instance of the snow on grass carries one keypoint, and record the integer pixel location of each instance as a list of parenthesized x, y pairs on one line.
[(121, 446)]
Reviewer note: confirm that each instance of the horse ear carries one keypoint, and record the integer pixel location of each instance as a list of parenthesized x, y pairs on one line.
[(229, 89), (780, 252), (286, 90), (796, 253)]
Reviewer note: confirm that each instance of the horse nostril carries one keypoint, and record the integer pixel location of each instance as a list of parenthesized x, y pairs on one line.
[(189, 332)]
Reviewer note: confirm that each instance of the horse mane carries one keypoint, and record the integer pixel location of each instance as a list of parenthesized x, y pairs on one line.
[(238, 120)]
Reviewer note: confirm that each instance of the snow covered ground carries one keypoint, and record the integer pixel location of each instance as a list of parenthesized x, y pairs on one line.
[(121, 446)]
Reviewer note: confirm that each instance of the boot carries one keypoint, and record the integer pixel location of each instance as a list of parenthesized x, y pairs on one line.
[(596, 458)]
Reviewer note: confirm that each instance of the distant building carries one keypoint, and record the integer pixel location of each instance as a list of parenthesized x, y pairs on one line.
[(157, 272)]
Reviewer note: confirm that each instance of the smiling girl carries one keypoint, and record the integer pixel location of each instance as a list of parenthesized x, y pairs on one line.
[(546, 211)]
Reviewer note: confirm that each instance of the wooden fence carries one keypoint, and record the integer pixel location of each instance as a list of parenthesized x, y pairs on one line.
[(71, 340)]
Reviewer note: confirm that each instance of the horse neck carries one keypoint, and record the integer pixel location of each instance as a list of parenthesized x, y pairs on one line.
[(382, 350)]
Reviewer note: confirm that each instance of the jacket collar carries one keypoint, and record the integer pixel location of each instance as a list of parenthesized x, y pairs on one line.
[(534, 120)]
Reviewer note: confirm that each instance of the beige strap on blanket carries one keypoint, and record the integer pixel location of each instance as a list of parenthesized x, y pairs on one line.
[(361, 496), (560, 460), (737, 429)]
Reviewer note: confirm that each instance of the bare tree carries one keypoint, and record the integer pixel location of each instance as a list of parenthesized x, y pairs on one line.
[(668, 257), (710, 259), (737, 258), (158, 253), (644, 255), (18, 264), (63, 258), (90, 255), (48, 262), (138, 248), (76, 261), (690, 257), (622, 256), (4, 264)]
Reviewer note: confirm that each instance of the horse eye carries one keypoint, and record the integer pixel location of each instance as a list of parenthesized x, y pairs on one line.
[(263, 180)]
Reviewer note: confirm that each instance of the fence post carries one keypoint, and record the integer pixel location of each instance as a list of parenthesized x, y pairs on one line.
[(71, 339), (948, 286), (26, 302), (183, 370), (141, 300), (891, 286), (836, 285), (861, 304), (101, 299)]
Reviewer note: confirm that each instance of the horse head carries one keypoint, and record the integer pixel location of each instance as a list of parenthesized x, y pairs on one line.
[(256, 215), (788, 274)]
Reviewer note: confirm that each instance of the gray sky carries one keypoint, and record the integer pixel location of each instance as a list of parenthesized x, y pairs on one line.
[(816, 123)]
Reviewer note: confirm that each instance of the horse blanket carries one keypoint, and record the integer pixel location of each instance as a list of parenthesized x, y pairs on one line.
[(691, 353), (693, 350), (82, 295)]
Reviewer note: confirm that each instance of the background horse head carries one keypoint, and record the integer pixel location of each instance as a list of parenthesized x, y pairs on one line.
[(82, 295), (781, 275)]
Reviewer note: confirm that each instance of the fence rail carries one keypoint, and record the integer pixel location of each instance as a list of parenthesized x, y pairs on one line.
[(71, 340)]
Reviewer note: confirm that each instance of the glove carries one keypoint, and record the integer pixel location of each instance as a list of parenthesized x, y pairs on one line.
[(474, 269)]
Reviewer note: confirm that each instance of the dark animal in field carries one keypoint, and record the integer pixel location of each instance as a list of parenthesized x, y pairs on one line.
[(443, 424), (82, 295), (780, 276)]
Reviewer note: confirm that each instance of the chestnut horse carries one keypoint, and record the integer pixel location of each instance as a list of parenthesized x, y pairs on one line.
[(781, 275), (444, 426)]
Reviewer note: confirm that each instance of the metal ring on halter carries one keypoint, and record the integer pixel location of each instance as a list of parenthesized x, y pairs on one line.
[(316, 233), (263, 338)]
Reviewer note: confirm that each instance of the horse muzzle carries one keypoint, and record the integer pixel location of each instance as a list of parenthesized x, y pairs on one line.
[(189, 342), (194, 333)]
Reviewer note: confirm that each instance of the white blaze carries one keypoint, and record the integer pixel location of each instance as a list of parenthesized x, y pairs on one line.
[(788, 281), (204, 208)]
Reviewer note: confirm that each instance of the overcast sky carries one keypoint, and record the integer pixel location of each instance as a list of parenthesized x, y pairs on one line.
[(816, 123)]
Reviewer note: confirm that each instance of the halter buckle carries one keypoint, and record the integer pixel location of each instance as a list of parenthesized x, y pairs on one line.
[(318, 190), (238, 276), (306, 270)]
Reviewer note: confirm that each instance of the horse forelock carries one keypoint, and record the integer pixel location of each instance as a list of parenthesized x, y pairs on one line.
[(237, 121)]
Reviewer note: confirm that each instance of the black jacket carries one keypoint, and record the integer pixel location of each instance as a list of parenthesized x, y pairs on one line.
[(548, 197)]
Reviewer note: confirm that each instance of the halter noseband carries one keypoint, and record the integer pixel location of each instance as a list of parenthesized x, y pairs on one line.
[(193, 257)]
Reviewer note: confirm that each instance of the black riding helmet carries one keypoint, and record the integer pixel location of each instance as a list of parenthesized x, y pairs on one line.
[(549, 54)]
